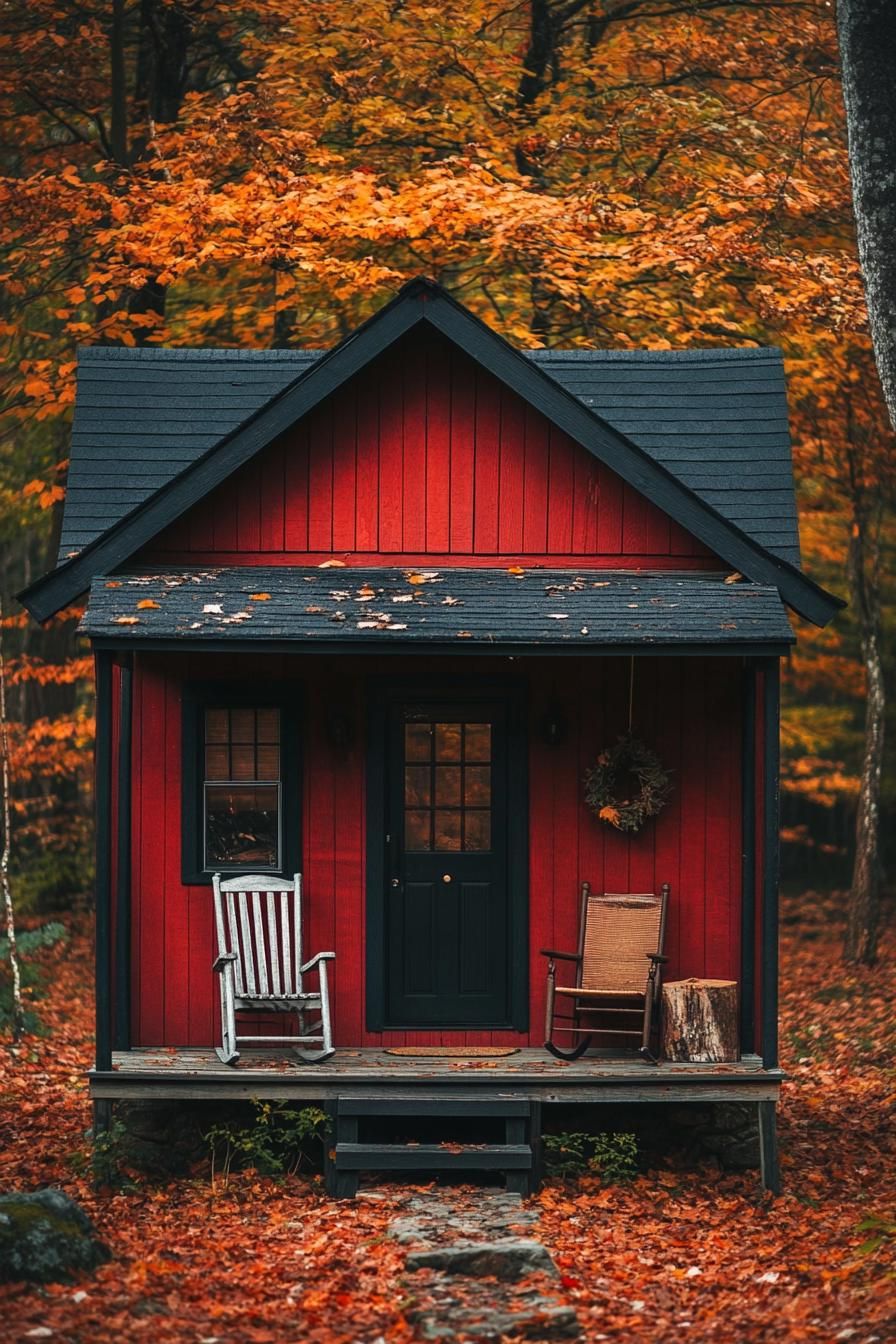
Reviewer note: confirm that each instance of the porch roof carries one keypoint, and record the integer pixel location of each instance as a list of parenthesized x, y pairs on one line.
[(562, 611)]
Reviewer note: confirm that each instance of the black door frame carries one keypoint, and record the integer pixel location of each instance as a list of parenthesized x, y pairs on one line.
[(382, 695)]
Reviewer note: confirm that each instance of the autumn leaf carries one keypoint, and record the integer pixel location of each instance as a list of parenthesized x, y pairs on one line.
[(259, 597), (127, 620), (147, 604)]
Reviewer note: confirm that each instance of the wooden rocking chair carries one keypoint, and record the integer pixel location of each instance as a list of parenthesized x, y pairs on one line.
[(258, 922), (614, 987)]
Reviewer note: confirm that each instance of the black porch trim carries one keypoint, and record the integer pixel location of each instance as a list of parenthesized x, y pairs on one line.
[(103, 834), (423, 301), (771, 716), (122, 995), (748, 859), (438, 649)]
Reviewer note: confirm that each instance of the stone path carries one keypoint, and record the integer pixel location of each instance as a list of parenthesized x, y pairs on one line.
[(476, 1272)]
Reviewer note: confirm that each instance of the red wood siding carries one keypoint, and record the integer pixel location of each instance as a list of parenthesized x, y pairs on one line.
[(425, 456), (688, 708)]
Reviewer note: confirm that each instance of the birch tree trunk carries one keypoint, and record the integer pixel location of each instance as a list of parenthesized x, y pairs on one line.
[(18, 1010), (867, 31)]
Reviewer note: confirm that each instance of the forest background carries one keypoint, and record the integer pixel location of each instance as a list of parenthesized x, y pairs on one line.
[(618, 173)]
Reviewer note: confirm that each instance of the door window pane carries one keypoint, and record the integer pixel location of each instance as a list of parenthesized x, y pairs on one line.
[(448, 741), (478, 830), (417, 830), (447, 829), (448, 785), (417, 741), (416, 786), (478, 741), (478, 785)]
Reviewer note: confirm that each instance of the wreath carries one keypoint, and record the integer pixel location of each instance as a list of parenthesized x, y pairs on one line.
[(627, 785)]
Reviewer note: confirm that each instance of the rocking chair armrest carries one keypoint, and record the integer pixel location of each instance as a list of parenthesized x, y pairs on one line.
[(320, 956), (225, 959), (657, 958), (560, 956)]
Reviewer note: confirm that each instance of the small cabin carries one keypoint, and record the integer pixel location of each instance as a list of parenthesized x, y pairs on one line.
[(370, 614)]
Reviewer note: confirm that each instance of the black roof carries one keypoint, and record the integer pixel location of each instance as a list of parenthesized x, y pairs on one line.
[(423, 304), (716, 418), (459, 609)]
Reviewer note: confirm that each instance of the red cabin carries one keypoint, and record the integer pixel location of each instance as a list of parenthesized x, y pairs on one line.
[(371, 614)]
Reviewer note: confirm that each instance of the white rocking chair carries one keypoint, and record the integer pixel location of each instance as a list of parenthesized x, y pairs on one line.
[(258, 921)]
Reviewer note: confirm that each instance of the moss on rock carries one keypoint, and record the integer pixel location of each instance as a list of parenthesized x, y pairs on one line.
[(46, 1238)]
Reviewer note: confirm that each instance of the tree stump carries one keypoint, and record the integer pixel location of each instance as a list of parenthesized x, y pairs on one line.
[(700, 1021)]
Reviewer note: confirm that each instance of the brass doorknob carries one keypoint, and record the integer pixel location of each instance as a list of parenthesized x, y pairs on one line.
[(446, 877)]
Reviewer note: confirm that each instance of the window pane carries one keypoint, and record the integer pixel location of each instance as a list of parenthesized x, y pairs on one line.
[(447, 830), (242, 725), (268, 725), (416, 786), (447, 785), (417, 741), (478, 741), (217, 763), (268, 762), (242, 762), (241, 826), (478, 785), (448, 741), (477, 830), (217, 725), (416, 830)]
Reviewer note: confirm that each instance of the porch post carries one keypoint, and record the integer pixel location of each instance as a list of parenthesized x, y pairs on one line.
[(748, 860), (771, 714), (103, 834), (122, 1017)]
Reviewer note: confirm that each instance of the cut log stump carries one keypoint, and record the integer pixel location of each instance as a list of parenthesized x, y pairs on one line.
[(700, 1021)]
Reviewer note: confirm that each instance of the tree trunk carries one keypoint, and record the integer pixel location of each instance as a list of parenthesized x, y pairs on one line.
[(868, 56), (864, 577), (700, 1021)]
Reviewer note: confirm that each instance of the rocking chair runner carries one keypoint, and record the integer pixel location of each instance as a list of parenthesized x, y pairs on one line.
[(617, 971), (258, 922)]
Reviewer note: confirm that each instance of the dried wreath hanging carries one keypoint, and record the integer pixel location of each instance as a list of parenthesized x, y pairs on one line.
[(627, 785)]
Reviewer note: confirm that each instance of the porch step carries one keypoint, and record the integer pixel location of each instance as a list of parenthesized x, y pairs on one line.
[(517, 1156)]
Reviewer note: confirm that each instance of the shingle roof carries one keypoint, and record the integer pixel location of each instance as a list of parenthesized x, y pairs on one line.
[(554, 610), (716, 418)]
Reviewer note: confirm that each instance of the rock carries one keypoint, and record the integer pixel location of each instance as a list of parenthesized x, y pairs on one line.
[(506, 1260), (46, 1238), (480, 1316)]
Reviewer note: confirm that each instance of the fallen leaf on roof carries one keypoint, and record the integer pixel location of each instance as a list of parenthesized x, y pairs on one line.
[(259, 597), (601, 583), (464, 634), (404, 597), (212, 609), (734, 577), (127, 620), (113, 583), (338, 616), (313, 611), (517, 571), (557, 616), (395, 625), (584, 629), (366, 592), (451, 602), (147, 604), (426, 576), (332, 564)]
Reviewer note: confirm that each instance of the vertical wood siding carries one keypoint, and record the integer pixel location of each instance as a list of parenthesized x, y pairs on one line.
[(427, 455), (688, 708)]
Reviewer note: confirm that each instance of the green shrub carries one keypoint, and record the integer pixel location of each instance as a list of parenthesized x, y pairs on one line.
[(278, 1142), (613, 1157), (33, 975)]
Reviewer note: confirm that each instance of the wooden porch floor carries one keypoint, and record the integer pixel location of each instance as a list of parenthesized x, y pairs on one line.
[(532, 1074)]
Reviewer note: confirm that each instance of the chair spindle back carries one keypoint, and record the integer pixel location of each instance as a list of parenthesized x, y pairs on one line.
[(259, 917)]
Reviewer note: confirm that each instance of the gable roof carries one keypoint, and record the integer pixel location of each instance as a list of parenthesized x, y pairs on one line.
[(422, 301), (717, 419)]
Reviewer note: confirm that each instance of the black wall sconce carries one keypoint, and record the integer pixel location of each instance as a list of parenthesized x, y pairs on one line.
[(554, 726)]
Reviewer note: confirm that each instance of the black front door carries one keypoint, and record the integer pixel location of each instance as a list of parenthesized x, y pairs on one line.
[(448, 937)]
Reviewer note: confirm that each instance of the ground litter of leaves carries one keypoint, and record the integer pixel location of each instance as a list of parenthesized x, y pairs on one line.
[(683, 1252)]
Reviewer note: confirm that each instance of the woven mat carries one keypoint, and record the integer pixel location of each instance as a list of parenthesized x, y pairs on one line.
[(451, 1051)]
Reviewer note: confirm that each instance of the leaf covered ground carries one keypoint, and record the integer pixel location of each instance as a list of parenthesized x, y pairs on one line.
[(683, 1252)]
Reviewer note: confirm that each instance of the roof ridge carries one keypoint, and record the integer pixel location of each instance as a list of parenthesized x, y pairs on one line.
[(697, 354)]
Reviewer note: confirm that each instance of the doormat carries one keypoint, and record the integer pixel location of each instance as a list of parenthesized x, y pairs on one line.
[(451, 1051)]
